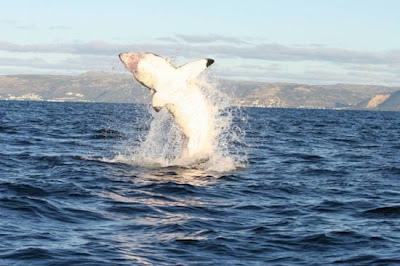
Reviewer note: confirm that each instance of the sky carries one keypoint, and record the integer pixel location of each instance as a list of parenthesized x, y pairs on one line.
[(302, 41)]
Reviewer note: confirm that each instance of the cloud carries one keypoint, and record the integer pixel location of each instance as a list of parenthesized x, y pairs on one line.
[(266, 51), (312, 76), (27, 27), (207, 39), (68, 64), (258, 67), (276, 52), (59, 27), (167, 39), (366, 68), (255, 60), (8, 21), (17, 24)]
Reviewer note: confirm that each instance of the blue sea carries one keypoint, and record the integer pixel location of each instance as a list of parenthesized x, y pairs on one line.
[(318, 187)]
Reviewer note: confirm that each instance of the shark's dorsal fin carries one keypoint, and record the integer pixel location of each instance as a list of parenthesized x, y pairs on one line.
[(193, 69)]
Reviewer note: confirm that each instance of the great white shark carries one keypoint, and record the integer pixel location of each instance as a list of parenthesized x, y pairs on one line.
[(175, 89)]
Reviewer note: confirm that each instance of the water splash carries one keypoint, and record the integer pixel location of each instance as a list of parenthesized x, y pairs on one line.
[(164, 144)]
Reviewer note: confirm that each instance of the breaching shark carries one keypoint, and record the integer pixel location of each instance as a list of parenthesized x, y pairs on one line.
[(175, 88)]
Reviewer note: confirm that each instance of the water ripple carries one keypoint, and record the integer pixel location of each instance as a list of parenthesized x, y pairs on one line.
[(321, 187)]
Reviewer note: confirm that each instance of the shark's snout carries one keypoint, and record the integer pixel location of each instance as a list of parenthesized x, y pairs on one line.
[(122, 56), (130, 60)]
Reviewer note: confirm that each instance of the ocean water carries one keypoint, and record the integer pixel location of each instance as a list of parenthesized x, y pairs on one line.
[(319, 187)]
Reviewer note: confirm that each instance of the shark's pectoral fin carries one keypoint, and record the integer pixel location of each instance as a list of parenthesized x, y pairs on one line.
[(157, 109), (157, 102), (193, 69)]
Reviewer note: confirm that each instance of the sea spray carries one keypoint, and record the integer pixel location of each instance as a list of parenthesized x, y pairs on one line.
[(163, 143)]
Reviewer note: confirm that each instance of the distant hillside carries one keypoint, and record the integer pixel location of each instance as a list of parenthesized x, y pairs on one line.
[(90, 86), (308, 96), (118, 87), (392, 103)]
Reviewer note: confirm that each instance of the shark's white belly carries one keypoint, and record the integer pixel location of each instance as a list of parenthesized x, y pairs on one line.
[(194, 115)]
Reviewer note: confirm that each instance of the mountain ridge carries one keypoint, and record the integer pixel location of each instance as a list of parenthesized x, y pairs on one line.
[(99, 86)]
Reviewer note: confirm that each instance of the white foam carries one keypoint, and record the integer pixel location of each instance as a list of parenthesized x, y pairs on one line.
[(164, 144)]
